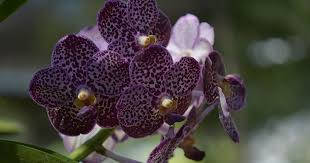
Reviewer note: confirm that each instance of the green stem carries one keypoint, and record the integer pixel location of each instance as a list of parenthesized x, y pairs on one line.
[(105, 152), (90, 145)]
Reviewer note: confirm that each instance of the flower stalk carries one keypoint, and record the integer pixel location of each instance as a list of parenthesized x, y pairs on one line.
[(90, 145), (103, 151)]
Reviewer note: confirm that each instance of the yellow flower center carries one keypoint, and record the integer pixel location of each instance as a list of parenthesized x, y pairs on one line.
[(145, 41), (166, 105), (85, 98)]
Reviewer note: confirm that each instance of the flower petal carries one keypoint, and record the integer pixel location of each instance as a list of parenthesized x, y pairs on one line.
[(67, 121), (194, 153), (185, 31), (210, 82), (164, 151), (183, 77), (112, 21), (127, 49), (206, 31), (147, 69), (94, 35), (217, 63), (229, 126), (137, 112), (51, 87), (236, 99), (201, 50), (73, 54), (183, 102), (107, 112), (109, 74), (162, 29), (143, 13)]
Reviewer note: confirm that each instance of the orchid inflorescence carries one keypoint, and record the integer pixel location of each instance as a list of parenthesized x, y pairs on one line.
[(134, 72)]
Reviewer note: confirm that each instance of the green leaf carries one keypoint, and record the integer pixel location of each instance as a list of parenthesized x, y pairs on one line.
[(8, 7), (8, 128), (15, 152)]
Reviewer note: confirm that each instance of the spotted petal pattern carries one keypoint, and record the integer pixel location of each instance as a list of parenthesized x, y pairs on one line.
[(74, 53), (147, 69), (137, 112), (183, 77), (107, 111), (51, 87), (67, 121), (112, 20), (164, 151), (162, 29), (143, 14), (127, 48), (210, 82), (109, 74), (229, 126)]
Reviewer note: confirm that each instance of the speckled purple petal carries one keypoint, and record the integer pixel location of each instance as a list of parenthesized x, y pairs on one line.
[(142, 14), (66, 120), (94, 35), (164, 151), (162, 29), (127, 49), (183, 102), (109, 74), (137, 112), (73, 54), (148, 69), (210, 82), (229, 126), (107, 112), (112, 21), (236, 99), (51, 87), (217, 62), (183, 77)]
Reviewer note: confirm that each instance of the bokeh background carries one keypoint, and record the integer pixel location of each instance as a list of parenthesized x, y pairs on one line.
[(267, 42)]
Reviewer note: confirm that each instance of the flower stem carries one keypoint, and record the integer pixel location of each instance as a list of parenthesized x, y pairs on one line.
[(89, 146), (103, 151)]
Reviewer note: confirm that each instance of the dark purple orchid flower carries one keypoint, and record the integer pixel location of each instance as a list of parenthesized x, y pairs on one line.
[(129, 27), (81, 86), (229, 90), (158, 88)]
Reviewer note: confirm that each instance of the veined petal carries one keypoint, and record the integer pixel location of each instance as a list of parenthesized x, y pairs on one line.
[(206, 31), (143, 14), (185, 31), (74, 53), (236, 98), (109, 74), (112, 21), (162, 29), (127, 49), (201, 50), (183, 77), (137, 112), (148, 68), (107, 111), (51, 87), (229, 126), (94, 35), (65, 120)]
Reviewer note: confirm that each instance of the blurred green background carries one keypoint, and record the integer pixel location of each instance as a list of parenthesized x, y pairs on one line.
[(267, 42)]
